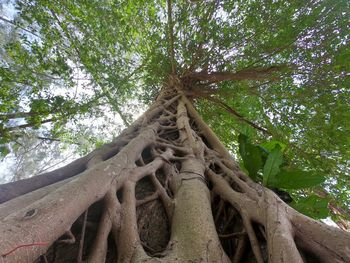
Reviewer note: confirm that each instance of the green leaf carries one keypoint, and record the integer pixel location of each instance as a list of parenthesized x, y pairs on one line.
[(312, 206), (295, 179), (251, 156), (4, 151), (272, 144), (272, 165)]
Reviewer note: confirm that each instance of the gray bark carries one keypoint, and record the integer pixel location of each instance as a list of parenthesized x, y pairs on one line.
[(166, 190)]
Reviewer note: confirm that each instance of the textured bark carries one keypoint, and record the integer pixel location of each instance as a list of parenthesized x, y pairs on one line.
[(166, 190)]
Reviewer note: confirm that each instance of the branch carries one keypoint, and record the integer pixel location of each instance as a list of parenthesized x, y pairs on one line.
[(50, 165), (207, 17), (256, 73), (171, 38), (16, 25), (237, 115), (72, 39), (27, 125), (115, 105), (74, 42), (50, 139), (15, 115)]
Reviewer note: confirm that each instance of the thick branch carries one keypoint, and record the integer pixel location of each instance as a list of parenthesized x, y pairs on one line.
[(71, 199), (244, 74), (171, 38), (13, 189)]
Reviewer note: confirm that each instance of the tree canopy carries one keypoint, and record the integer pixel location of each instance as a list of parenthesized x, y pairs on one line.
[(274, 72)]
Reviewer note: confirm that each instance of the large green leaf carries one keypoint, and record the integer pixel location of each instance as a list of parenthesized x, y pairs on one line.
[(295, 179), (4, 151), (270, 145), (272, 165), (251, 156), (312, 206)]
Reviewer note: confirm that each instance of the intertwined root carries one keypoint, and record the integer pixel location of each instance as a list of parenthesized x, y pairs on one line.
[(166, 191)]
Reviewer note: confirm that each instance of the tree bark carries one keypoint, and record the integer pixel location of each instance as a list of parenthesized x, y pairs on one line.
[(166, 190)]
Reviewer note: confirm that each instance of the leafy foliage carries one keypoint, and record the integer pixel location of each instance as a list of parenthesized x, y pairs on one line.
[(312, 206), (272, 165), (270, 160), (268, 157), (251, 156), (66, 61), (295, 179)]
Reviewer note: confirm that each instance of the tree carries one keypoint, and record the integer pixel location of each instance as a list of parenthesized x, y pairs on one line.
[(166, 189), (171, 155)]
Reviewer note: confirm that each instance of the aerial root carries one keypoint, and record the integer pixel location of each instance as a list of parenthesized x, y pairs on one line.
[(167, 201), (284, 229), (128, 240), (329, 243), (170, 127), (178, 149), (147, 199), (82, 237), (242, 184), (233, 235), (237, 200), (110, 216), (232, 213), (162, 140), (252, 238), (219, 211), (128, 235), (240, 249)]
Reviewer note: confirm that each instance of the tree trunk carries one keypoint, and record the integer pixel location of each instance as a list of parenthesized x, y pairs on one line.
[(166, 190)]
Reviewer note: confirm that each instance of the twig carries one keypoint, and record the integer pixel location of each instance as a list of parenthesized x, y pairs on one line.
[(236, 114)]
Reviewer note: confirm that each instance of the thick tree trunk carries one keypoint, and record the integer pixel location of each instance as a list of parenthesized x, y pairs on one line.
[(166, 190)]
